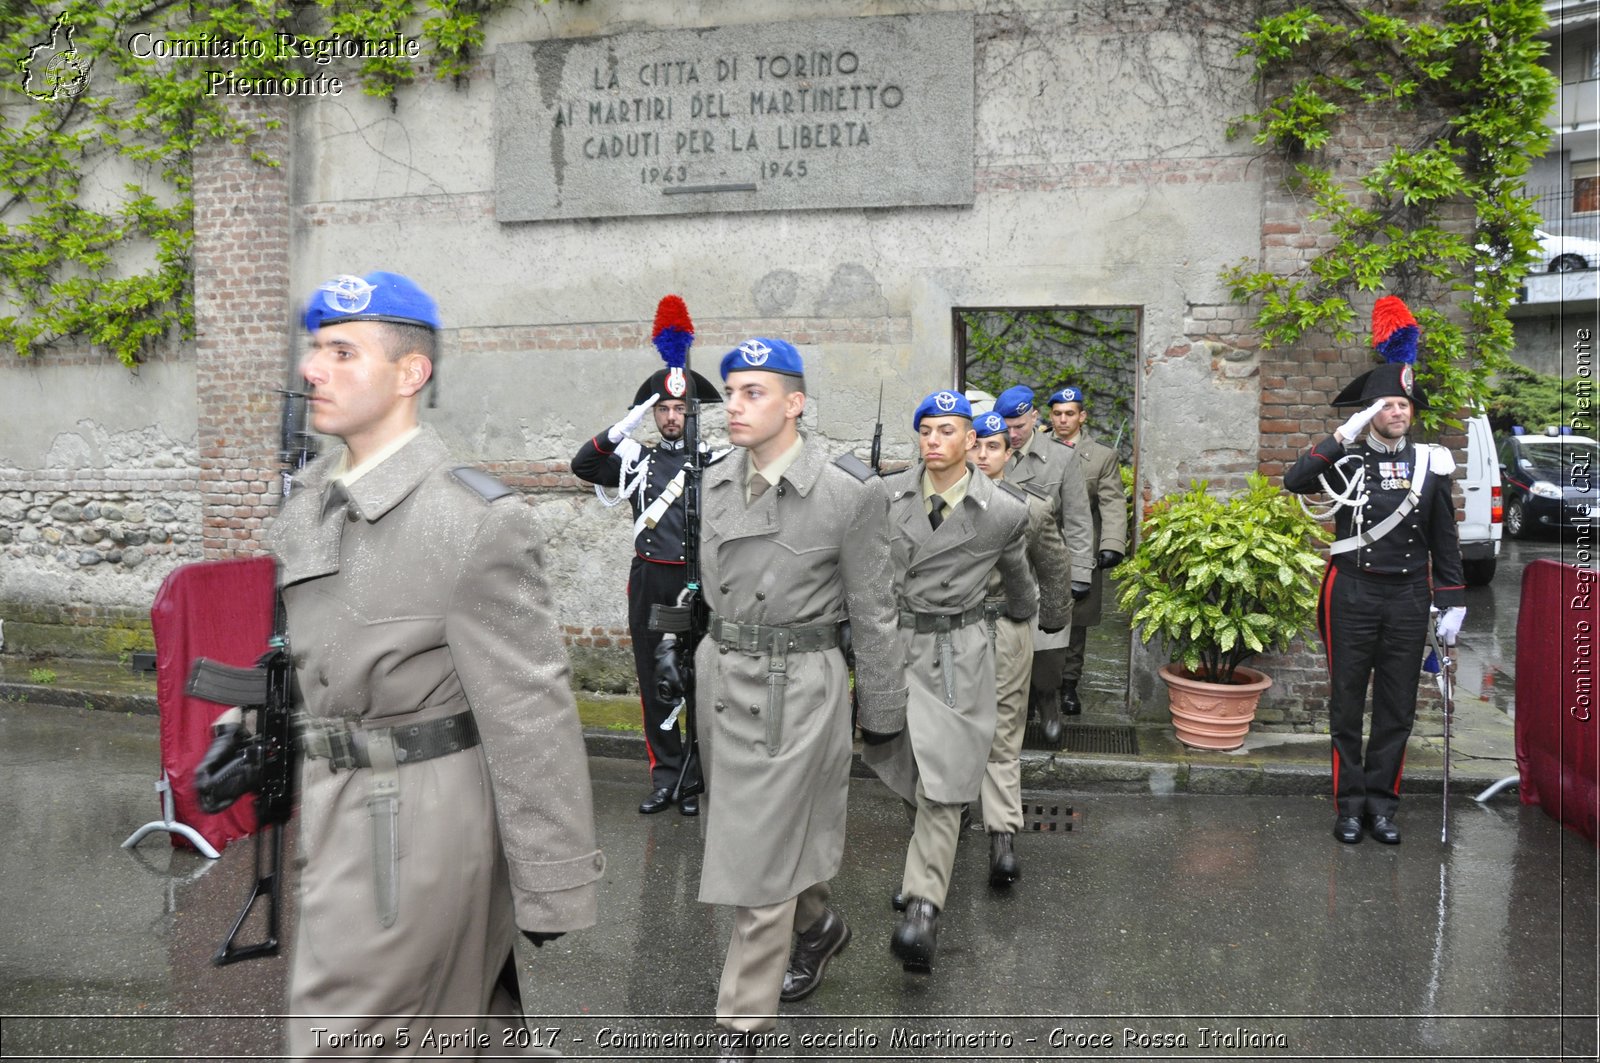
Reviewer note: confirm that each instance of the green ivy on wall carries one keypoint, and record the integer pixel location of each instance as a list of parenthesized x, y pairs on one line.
[(102, 114), (1468, 68)]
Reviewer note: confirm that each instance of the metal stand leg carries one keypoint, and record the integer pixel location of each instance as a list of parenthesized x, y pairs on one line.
[(170, 825), (1509, 780)]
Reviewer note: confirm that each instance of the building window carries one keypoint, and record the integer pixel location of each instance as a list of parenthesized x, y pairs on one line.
[(1586, 187)]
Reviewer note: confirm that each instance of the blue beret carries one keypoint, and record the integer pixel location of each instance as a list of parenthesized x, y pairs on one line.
[(942, 404), (378, 296), (1014, 402), (1067, 394), (989, 424), (769, 355)]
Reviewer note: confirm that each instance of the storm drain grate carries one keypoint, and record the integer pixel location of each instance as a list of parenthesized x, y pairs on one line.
[(1041, 815), (1096, 739)]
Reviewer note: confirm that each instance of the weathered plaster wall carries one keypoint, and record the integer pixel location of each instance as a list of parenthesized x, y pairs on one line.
[(1103, 177)]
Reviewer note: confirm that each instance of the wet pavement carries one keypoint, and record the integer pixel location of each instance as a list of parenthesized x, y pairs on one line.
[(1159, 926)]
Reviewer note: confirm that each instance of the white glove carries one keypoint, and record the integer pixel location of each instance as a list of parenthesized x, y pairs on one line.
[(1450, 624), (1352, 428), (624, 428)]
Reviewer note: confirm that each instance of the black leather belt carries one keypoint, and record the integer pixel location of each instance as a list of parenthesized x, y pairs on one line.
[(923, 623), (345, 746), (758, 639)]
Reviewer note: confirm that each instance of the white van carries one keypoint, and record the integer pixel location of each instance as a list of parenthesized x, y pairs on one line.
[(1480, 528)]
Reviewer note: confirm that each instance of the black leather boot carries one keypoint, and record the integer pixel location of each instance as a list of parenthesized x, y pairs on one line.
[(917, 937), (1004, 867), (1070, 705), (823, 940)]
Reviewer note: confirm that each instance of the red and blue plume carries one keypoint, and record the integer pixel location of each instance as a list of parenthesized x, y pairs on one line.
[(1394, 330), (673, 332)]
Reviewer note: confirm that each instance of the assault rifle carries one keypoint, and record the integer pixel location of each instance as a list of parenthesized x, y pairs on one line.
[(684, 623), (240, 762)]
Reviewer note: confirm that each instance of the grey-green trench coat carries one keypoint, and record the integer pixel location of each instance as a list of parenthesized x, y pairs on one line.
[(813, 550), (411, 598), (950, 717)]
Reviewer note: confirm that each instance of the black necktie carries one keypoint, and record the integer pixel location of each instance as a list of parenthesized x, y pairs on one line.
[(936, 514)]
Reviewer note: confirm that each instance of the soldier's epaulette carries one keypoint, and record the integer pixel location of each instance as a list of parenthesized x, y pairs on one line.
[(854, 466), (481, 482), (1030, 487), (1013, 490)]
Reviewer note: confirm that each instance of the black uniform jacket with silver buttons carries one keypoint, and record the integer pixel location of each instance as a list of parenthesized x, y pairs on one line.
[(598, 462), (1427, 533)]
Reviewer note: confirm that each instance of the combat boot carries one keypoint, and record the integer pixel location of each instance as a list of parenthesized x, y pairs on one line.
[(1070, 705), (820, 942), (1004, 867), (917, 937)]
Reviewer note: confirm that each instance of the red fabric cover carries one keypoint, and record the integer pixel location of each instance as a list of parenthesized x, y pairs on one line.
[(221, 610), (1557, 729)]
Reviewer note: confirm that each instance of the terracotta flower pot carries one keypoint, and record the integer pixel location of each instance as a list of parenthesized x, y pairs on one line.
[(1213, 715)]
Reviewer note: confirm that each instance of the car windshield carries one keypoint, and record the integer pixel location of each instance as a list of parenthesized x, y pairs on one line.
[(1560, 459)]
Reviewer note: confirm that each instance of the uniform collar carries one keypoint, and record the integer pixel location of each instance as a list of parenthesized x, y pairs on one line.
[(1378, 445), (672, 444), (802, 474), (384, 484)]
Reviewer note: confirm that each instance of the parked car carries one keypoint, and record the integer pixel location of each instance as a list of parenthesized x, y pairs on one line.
[(1480, 527), (1563, 254), (1549, 481)]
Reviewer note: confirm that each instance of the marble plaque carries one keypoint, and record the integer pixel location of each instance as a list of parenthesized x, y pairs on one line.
[(858, 112)]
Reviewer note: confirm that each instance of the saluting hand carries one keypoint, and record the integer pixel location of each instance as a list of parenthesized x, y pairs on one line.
[(1347, 432), (624, 428)]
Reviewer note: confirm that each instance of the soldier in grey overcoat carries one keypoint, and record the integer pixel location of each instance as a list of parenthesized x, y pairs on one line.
[(941, 567), (444, 789), (1013, 652), (1102, 476), (1037, 459), (793, 544)]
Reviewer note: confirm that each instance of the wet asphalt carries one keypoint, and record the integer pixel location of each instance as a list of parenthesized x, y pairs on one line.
[(1181, 926)]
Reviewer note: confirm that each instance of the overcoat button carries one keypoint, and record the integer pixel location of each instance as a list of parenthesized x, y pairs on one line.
[(754, 711), (352, 515), (722, 649), (761, 596), (719, 706), (724, 588)]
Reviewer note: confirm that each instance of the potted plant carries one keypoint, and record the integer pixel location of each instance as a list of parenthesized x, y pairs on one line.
[(1221, 582)]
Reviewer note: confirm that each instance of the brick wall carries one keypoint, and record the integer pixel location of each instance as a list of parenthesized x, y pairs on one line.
[(1298, 382), (242, 310)]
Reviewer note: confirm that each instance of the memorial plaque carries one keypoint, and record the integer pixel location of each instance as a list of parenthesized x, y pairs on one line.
[(858, 112)]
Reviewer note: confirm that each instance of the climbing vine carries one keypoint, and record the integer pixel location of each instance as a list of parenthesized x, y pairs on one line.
[(1442, 219), (100, 117)]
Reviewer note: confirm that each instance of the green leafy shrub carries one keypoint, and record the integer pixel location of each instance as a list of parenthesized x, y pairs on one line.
[(1223, 581), (1531, 399)]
